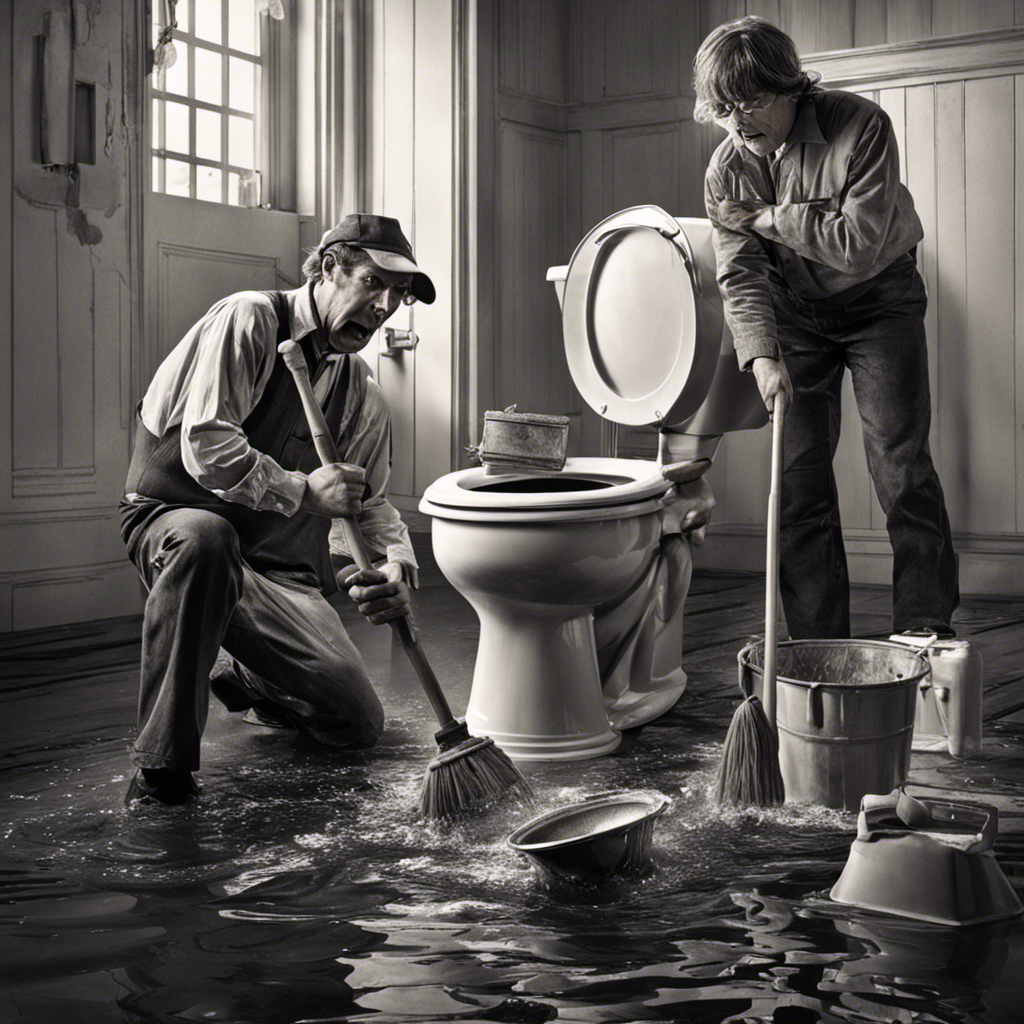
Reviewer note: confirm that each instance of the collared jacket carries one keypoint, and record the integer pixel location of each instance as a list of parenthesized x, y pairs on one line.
[(839, 214), (211, 384)]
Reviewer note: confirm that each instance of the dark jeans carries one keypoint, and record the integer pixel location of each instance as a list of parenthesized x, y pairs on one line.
[(879, 337), (292, 646)]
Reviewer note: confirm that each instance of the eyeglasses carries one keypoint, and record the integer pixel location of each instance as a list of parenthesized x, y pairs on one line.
[(722, 111)]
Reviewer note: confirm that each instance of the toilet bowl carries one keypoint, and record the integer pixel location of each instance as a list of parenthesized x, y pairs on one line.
[(535, 556), (645, 341)]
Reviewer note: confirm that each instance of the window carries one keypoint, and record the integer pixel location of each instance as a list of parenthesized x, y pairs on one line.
[(206, 105)]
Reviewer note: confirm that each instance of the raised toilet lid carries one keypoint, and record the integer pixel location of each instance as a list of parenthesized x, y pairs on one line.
[(633, 325)]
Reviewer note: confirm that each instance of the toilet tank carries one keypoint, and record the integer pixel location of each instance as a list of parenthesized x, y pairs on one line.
[(732, 401)]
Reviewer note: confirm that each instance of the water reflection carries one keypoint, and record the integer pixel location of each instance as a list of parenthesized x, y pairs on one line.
[(302, 887)]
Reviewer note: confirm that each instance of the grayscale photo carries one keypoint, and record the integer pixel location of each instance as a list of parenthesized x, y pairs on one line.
[(511, 511)]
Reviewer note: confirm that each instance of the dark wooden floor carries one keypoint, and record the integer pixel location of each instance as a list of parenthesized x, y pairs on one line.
[(723, 612)]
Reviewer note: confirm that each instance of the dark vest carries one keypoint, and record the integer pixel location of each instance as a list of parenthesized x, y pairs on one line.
[(291, 547)]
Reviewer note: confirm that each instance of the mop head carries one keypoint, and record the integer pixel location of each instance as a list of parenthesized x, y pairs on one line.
[(471, 773), (749, 772)]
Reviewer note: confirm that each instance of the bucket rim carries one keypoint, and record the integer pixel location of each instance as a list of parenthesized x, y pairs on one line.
[(920, 656)]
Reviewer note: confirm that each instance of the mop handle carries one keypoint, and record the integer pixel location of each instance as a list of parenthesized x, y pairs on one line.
[(772, 566), (325, 448)]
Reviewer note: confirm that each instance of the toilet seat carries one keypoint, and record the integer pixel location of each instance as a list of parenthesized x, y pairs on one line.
[(640, 347), (623, 488)]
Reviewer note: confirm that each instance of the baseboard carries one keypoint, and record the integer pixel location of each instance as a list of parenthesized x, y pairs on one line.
[(57, 597), (991, 565)]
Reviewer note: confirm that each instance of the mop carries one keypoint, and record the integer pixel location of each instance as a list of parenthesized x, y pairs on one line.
[(468, 771), (749, 771)]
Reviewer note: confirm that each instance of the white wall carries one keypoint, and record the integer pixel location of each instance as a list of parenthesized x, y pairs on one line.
[(68, 331)]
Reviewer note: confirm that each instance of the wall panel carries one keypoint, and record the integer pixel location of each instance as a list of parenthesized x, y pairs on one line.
[(644, 165), (35, 340), (985, 503), (951, 291), (394, 194), (76, 408), (432, 228), (1018, 219), (532, 371), (919, 145)]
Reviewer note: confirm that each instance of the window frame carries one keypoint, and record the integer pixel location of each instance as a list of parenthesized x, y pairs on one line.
[(274, 100)]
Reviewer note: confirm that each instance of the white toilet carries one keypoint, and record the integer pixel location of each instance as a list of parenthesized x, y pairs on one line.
[(535, 555)]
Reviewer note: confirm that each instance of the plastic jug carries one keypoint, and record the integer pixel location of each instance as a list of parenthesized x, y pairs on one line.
[(949, 704)]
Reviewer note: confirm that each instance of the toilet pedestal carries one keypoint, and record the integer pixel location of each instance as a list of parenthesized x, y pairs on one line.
[(534, 578), (536, 687)]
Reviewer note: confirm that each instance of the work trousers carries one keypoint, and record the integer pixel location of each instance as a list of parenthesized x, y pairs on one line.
[(292, 648), (879, 337)]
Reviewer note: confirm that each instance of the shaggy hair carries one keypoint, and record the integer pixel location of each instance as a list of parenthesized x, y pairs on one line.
[(743, 59), (349, 257)]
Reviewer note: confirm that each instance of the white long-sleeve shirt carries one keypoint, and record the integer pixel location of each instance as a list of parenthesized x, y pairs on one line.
[(213, 379)]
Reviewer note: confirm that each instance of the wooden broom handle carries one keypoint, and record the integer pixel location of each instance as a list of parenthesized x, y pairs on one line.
[(772, 562), (328, 452)]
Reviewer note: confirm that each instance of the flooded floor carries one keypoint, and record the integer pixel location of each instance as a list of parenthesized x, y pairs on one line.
[(302, 887)]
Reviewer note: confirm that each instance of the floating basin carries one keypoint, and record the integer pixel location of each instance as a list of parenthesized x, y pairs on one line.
[(927, 859), (605, 836)]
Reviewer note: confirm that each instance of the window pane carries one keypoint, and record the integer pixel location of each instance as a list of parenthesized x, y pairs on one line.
[(243, 85), (176, 115), (233, 199), (175, 78), (181, 15), (240, 142), (208, 135), (158, 165), (177, 178), (243, 33), (208, 184), (157, 130), (209, 85), (208, 20)]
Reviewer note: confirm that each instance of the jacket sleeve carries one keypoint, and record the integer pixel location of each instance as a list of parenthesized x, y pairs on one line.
[(233, 359), (743, 279), (847, 233)]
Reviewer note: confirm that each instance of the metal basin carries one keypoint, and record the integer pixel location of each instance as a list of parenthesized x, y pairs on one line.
[(605, 836)]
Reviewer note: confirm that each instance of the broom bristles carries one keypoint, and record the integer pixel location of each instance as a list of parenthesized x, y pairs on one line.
[(749, 772), (471, 774)]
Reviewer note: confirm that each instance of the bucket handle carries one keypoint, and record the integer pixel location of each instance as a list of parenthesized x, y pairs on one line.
[(815, 706)]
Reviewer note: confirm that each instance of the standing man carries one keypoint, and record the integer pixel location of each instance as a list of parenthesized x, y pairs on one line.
[(227, 511), (816, 241)]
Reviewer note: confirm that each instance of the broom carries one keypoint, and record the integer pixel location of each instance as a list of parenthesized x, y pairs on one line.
[(749, 770), (468, 771)]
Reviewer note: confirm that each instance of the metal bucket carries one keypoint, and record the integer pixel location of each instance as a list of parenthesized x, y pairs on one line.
[(845, 715)]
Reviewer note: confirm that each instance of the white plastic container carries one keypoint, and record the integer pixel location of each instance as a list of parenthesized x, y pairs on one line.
[(949, 704)]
